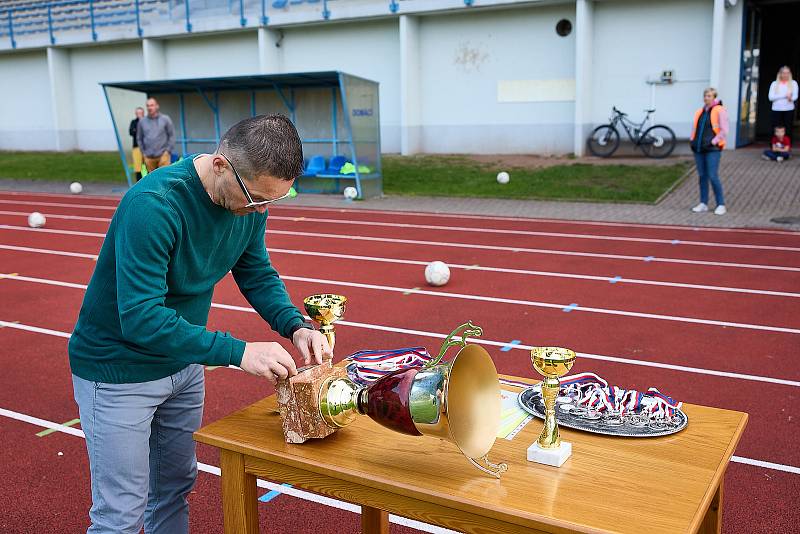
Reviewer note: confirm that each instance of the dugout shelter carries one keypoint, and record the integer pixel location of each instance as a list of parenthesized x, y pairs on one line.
[(335, 113)]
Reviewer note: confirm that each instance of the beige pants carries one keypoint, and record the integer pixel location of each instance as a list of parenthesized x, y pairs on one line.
[(136, 154), (155, 163)]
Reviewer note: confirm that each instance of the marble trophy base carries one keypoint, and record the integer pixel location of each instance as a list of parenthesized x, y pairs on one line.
[(555, 457)]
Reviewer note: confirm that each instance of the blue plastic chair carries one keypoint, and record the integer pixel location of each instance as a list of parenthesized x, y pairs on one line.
[(315, 166), (335, 165)]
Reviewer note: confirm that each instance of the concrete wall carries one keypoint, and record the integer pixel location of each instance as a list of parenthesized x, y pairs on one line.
[(93, 130), (26, 116), (368, 49), (467, 61), (634, 41)]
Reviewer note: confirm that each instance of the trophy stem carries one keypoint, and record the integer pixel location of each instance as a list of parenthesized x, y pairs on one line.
[(328, 331), (549, 438)]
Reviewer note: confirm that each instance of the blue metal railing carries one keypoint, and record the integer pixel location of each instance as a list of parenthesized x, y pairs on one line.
[(29, 17)]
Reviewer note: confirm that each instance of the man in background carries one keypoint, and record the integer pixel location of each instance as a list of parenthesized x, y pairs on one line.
[(136, 153), (156, 137)]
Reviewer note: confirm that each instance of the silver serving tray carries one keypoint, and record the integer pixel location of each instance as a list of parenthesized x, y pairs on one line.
[(531, 401)]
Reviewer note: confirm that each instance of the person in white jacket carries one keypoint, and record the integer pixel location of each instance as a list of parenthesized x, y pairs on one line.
[(783, 95)]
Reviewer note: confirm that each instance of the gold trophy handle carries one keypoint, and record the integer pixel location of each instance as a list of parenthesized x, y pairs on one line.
[(468, 328)]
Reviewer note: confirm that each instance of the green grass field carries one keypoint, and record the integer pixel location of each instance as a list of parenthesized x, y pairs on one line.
[(454, 176), (463, 177)]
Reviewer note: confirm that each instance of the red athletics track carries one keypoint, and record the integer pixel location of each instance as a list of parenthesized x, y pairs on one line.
[(54, 489)]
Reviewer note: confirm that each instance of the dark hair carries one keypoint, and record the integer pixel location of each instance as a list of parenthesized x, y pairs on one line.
[(264, 145), (780, 127)]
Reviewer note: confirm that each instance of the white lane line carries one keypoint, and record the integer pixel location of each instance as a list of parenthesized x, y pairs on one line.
[(552, 274), (538, 273), (309, 496), (214, 470), (436, 335), (532, 220), (48, 251), (653, 259), (532, 233), (50, 231), (550, 305), (59, 216), (480, 298), (439, 215), (767, 465), (460, 245)]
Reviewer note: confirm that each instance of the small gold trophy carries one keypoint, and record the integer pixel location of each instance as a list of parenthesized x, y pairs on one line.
[(326, 309), (551, 363)]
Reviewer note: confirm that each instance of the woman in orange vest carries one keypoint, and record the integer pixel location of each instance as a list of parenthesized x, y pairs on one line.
[(709, 130)]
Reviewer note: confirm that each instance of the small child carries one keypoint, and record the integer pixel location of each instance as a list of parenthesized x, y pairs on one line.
[(781, 146)]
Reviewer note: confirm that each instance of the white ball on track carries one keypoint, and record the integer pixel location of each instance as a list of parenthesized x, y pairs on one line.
[(437, 273), (75, 188), (503, 177), (36, 220), (350, 193)]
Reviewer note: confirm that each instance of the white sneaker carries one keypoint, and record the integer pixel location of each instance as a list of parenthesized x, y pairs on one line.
[(700, 208), (720, 210), (780, 159)]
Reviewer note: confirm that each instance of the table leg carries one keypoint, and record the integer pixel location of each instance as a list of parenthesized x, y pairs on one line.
[(374, 521), (239, 504), (712, 522)]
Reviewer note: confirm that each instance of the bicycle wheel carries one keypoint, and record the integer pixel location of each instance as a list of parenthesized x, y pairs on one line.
[(604, 141), (657, 141)]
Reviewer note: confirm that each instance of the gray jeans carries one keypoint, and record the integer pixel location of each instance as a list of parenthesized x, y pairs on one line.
[(141, 451)]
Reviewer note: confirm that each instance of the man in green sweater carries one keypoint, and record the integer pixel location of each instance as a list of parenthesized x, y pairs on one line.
[(140, 344)]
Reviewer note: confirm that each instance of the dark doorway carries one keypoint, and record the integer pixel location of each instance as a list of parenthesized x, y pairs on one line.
[(780, 45)]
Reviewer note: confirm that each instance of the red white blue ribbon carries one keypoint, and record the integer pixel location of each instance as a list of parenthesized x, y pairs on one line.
[(370, 365), (594, 393)]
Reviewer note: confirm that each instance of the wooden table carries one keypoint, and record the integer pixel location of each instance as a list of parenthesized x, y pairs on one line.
[(671, 484)]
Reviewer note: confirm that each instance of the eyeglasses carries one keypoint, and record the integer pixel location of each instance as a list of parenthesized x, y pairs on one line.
[(250, 202)]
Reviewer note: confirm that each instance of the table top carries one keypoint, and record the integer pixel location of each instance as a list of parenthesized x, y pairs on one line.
[(615, 484)]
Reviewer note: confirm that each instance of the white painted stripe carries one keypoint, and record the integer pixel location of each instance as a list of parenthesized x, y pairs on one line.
[(440, 215), (553, 274), (214, 470), (436, 335), (534, 220), (59, 216), (766, 465), (550, 305), (50, 231), (36, 329), (535, 250), (48, 251), (392, 224), (44, 423), (480, 298), (532, 233), (599, 357), (461, 245), (59, 205), (472, 268)]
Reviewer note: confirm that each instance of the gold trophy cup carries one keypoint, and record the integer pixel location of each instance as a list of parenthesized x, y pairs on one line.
[(326, 309), (552, 363)]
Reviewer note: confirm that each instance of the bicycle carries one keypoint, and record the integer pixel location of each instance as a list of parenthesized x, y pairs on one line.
[(658, 141)]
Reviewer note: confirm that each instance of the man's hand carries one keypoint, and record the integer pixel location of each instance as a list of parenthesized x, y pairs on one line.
[(269, 360), (312, 344)]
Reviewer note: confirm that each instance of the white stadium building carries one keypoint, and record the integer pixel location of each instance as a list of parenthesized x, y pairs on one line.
[(455, 76)]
